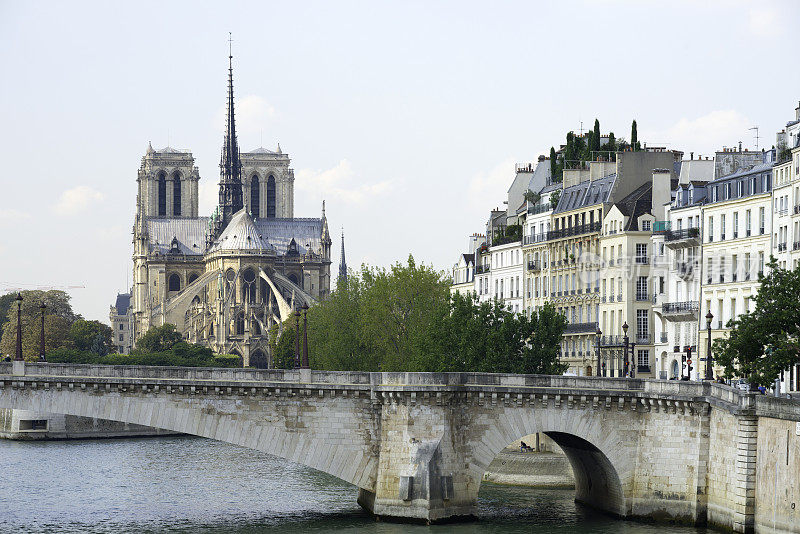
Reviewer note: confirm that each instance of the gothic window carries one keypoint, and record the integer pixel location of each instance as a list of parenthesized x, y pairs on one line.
[(174, 282), (162, 195), (254, 197), (249, 286), (258, 359), (271, 197), (240, 324), (176, 194)]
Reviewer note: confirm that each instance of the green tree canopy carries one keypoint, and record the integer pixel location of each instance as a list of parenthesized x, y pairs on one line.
[(766, 341), (158, 339), (85, 335), (58, 318), (404, 319)]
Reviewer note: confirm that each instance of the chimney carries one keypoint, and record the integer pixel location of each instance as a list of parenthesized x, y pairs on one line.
[(691, 155), (740, 146), (797, 112)]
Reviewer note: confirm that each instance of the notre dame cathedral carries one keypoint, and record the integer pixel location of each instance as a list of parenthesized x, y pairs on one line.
[(222, 280)]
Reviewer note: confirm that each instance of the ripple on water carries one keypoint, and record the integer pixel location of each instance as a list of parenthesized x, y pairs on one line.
[(184, 484)]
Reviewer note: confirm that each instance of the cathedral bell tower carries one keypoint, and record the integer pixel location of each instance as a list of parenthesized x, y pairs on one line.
[(230, 166)]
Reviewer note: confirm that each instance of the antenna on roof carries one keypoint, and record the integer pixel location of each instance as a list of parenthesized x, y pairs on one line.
[(756, 136)]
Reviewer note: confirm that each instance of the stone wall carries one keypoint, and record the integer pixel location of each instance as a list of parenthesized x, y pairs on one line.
[(777, 485)]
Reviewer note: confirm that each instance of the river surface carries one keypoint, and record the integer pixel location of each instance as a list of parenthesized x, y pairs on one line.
[(184, 484)]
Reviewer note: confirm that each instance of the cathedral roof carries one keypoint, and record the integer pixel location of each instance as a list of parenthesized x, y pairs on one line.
[(306, 233), (189, 234), (241, 234)]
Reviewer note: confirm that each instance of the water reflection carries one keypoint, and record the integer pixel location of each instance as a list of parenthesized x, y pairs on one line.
[(183, 484)]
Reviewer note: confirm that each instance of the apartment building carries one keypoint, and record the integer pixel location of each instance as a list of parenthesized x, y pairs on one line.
[(737, 240)]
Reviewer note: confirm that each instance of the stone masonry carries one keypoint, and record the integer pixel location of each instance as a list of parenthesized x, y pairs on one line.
[(417, 444)]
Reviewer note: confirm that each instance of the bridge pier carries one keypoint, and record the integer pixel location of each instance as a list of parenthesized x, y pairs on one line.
[(421, 465)]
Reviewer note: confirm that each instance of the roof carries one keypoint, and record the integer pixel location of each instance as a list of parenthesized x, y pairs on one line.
[(190, 233), (307, 233), (241, 233), (762, 167), (586, 194), (636, 204), (170, 150), (469, 258), (122, 304)]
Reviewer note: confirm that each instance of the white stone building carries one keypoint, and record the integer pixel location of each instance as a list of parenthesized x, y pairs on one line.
[(121, 323)]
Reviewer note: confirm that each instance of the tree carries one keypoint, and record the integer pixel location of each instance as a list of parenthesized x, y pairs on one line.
[(634, 136), (596, 136), (158, 339), (555, 170), (554, 197), (58, 318), (766, 341), (531, 196), (6, 301), (84, 334)]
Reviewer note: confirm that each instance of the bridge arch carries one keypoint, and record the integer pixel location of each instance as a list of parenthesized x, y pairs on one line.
[(602, 461), (289, 430)]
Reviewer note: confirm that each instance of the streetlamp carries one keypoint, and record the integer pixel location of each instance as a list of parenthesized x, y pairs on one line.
[(42, 307), (297, 339), (709, 373), (18, 355), (625, 348), (305, 336), (598, 333)]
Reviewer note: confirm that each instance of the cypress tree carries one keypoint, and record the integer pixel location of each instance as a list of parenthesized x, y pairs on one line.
[(634, 136), (596, 136), (553, 164)]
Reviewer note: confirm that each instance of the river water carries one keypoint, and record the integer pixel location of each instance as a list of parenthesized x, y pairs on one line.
[(185, 484)]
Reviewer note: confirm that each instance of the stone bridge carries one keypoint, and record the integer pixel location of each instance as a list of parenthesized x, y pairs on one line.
[(417, 444)]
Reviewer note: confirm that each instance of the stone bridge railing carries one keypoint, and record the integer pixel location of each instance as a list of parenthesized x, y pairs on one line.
[(582, 389)]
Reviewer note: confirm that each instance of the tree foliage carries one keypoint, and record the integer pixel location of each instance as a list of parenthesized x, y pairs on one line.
[(766, 341), (404, 319), (92, 335), (58, 318), (158, 339)]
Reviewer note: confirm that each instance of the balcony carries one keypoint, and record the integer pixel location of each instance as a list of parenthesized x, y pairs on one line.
[(580, 328), (641, 296), (796, 245), (797, 209), (619, 297), (642, 260), (540, 208), (534, 238), (677, 311), (643, 339), (663, 337), (686, 269), (481, 269), (643, 369), (573, 231), (611, 341), (687, 237), (534, 266), (781, 247)]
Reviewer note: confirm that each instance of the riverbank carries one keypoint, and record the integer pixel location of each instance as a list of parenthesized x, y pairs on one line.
[(533, 469)]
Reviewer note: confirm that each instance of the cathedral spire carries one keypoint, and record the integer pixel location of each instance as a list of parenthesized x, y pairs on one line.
[(343, 264), (230, 167)]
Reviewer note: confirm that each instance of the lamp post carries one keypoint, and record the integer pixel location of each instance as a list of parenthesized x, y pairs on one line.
[(42, 307), (305, 337), (297, 339), (625, 348), (18, 355), (709, 372), (598, 333)]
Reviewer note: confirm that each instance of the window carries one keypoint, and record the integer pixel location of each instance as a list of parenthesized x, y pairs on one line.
[(174, 283), (646, 226), (642, 324), (643, 358), (121, 325), (271, 202), (735, 224), (162, 195), (747, 223), (641, 288), (641, 253), (255, 197), (722, 227), (761, 220), (176, 194), (710, 229), (121, 337)]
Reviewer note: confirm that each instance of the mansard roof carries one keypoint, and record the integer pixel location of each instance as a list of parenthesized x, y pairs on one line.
[(585, 194)]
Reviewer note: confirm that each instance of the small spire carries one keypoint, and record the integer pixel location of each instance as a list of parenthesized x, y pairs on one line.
[(343, 263), (279, 149), (323, 209), (150, 147)]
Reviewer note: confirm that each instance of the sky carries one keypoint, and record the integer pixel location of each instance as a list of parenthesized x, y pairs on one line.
[(405, 117)]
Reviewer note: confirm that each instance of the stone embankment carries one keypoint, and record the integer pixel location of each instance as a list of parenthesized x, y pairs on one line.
[(536, 469), (33, 426)]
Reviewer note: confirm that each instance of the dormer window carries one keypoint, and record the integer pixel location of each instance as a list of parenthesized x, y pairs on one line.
[(175, 247)]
